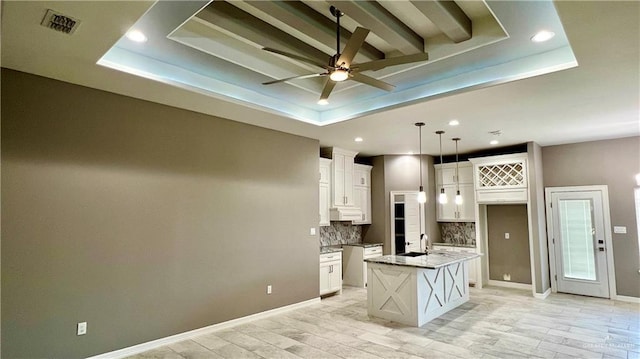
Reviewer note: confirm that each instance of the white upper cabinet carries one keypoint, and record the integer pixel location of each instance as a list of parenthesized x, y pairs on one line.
[(362, 192), (324, 190), (501, 178), (446, 173), (446, 178), (342, 178)]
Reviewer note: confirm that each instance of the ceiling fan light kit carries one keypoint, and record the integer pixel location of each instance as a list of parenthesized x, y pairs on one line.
[(339, 67)]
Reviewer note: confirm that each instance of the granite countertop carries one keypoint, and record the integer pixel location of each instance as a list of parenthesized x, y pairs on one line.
[(330, 249), (455, 245), (364, 245), (435, 259)]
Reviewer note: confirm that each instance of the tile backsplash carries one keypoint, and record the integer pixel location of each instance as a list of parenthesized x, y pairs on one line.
[(340, 233), (458, 233)]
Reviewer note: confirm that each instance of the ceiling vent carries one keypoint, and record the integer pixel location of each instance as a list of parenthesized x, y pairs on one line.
[(59, 22)]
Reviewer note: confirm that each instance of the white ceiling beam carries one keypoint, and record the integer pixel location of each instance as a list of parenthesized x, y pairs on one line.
[(248, 28), (316, 26), (447, 16), (380, 21)]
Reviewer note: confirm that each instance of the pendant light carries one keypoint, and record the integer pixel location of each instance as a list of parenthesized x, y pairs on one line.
[(458, 196), (422, 196), (442, 199)]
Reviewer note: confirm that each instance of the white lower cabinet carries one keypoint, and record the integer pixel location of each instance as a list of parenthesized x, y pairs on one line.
[(330, 273), (472, 263), (353, 265)]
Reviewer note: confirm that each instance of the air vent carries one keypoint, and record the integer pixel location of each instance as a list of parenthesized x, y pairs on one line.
[(59, 22)]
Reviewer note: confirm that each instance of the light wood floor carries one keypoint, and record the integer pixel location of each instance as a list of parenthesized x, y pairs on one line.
[(495, 323)]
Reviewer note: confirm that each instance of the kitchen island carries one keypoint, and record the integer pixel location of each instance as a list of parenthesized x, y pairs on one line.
[(415, 290)]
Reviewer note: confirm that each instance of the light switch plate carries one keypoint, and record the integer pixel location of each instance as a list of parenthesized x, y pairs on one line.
[(506, 235), (620, 229), (82, 328), (312, 231)]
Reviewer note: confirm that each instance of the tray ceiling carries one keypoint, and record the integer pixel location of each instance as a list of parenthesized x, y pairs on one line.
[(215, 48)]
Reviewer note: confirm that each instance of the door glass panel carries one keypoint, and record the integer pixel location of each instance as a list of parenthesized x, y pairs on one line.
[(578, 254)]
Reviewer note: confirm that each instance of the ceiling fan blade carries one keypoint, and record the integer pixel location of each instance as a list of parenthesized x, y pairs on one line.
[(371, 81), (353, 45), (326, 90), (296, 57), (392, 61), (293, 78)]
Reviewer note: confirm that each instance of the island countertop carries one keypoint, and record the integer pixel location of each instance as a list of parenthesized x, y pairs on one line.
[(433, 260)]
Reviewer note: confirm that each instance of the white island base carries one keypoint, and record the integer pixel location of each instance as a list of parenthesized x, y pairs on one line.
[(414, 295)]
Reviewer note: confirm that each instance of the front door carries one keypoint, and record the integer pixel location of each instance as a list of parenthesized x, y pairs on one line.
[(579, 242)]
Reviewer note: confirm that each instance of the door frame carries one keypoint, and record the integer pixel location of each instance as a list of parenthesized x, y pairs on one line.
[(604, 190), (392, 212)]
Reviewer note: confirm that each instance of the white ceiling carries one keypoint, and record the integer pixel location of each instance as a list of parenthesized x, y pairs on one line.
[(598, 99)]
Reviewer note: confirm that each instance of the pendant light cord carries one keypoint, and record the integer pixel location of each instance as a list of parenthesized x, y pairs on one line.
[(420, 156)]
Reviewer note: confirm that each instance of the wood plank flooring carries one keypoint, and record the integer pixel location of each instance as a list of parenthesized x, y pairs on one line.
[(495, 323)]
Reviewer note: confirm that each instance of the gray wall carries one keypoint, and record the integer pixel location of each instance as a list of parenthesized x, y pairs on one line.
[(509, 256), (613, 163), (399, 173), (143, 220)]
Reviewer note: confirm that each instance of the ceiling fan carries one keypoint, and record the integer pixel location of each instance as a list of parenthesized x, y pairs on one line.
[(340, 67)]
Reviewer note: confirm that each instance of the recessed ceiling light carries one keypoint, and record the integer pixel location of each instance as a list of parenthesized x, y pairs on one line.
[(136, 35), (454, 123), (493, 142), (323, 102), (358, 139), (543, 36)]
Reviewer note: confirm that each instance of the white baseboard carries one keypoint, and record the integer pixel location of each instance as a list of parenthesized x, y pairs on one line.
[(514, 285), (143, 347), (624, 298), (543, 295)]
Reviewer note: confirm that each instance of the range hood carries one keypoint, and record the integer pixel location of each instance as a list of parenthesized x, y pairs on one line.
[(345, 214)]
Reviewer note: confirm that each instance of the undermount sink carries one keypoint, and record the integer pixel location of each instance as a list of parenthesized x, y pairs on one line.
[(412, 254)]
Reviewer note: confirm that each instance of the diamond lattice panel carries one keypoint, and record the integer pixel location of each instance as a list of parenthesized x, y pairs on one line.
[(501, 175)]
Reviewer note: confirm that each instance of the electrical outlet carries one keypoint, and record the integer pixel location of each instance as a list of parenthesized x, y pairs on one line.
[(269, 289), (312, 231), (506, 276), (506, 235), (82, 328)]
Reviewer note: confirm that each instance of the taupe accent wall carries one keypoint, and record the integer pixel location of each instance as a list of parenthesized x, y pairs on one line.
[(508, 256), (399, 173), (143, 220), (613, 163)]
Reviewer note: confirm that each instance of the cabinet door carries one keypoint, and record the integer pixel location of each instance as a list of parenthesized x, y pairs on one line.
[(325, 170), (325, 278), (338, 180), (335, 272), (362, 176), (362, 197), (447, 212), (467, 210), (465, 172), (325, 197), (348, 182)]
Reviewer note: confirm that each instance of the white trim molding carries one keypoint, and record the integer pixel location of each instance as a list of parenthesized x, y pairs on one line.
[(624, 298), (514, 285), (543, 295), (143, 347)]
